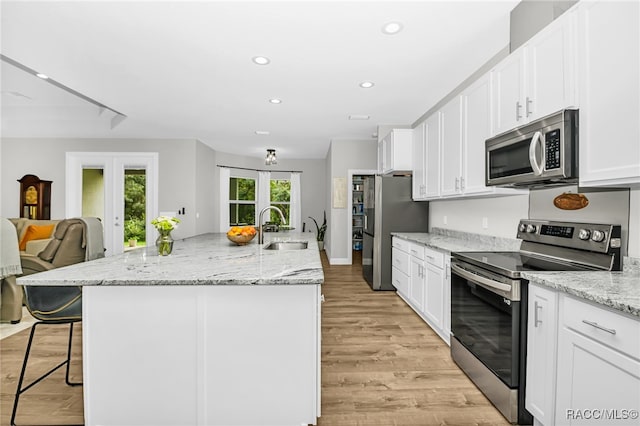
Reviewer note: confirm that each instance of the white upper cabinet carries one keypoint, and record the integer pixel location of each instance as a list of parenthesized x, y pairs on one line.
[(609, 88), (426, 159), (394, 151), (508, 82), (432, 162), (419, 177), (550, 69), (454, 147), (451, 166), (476, 104), (537, 79)]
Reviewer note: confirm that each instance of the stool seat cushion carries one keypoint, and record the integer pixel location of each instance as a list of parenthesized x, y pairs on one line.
[(53, 303)]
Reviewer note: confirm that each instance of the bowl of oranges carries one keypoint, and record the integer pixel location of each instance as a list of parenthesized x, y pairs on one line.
[(241, 235)]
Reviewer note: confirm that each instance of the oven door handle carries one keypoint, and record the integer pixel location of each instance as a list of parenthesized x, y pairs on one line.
[(482, 280)]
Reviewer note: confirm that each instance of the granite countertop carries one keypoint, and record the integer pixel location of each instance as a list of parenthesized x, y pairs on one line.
[(617, 290), (451, 241), (208, 259)]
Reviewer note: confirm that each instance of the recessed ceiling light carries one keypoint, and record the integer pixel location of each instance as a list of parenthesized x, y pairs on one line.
[(367, 84), (391, 28), (263, 132), (275, 101), (261, 60), (358, 117), (42, 76)]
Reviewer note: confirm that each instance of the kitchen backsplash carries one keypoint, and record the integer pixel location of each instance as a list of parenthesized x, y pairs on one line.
[(610, 206)]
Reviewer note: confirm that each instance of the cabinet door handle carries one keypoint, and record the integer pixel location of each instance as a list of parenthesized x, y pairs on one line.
[(528, 103), (599, 327), (536, 308), (518, 108)]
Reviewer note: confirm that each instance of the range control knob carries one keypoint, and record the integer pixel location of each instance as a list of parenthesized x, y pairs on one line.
[(531, 228), (597, 236), (522, 227), (584, 234)]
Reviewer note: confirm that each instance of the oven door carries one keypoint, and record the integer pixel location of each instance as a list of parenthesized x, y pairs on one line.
[(485, 322)]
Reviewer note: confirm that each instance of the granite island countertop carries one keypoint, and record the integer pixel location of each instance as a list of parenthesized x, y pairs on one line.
[(208, 259)]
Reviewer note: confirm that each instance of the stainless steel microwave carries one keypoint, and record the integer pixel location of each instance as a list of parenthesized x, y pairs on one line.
[(541, 153)]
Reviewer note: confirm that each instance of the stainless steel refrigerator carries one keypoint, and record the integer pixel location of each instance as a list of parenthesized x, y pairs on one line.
[(387, 208)]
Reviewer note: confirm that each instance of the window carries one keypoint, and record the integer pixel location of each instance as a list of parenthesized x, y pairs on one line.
[(280, 196), (242, 201)]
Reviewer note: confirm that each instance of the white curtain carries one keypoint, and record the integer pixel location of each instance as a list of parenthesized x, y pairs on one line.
[(263, 193), (296, 205), (225, 175)]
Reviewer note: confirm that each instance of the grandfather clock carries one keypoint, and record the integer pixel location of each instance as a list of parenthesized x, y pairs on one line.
[(35, 197)]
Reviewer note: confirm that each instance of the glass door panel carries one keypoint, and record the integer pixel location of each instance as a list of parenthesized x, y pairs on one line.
[(135, 206)]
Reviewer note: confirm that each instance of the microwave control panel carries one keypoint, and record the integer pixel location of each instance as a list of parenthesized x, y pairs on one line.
[(552, 150)]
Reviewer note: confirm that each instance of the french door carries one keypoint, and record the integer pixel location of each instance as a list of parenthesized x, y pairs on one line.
[(95, 186)]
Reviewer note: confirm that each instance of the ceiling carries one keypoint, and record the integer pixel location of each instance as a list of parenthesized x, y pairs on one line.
[(183, 69)]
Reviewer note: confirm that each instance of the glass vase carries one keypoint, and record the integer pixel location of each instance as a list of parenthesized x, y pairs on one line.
[(164, 243)]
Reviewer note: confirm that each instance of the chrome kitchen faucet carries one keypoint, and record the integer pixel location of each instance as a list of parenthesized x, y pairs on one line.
[(260, 233)]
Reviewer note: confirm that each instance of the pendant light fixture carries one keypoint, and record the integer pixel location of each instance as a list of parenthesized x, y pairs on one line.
[(271, 159)]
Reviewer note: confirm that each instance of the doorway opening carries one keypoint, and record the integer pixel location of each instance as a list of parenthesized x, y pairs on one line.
[(356, 222), (120, 188), (93, 193)]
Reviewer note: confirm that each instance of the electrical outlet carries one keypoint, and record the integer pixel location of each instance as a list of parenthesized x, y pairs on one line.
[(485, 223), (444, 220)]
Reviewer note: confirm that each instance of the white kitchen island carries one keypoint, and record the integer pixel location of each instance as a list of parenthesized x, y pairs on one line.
[(214, 334)]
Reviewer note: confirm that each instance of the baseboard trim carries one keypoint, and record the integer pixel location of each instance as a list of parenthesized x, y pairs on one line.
[(339, 261)]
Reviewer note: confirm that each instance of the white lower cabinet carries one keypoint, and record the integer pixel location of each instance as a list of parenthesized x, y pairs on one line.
[(542, 332), (421, 276), (400, 266), (598, 366), (417, 282), (594, 377)]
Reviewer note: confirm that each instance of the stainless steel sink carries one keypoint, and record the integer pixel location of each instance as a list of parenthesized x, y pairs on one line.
[(287, 245)]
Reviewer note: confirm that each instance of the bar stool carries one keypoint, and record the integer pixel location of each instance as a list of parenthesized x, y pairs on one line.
[(49, 305)]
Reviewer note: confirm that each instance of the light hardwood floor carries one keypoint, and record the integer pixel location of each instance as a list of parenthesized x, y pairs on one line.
[(381, 365)]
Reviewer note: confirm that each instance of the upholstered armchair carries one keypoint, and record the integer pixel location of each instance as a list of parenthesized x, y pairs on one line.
[(68, 246), (10, 293)]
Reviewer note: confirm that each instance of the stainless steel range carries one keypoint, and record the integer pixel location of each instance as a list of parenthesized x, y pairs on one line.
[(489, 301)]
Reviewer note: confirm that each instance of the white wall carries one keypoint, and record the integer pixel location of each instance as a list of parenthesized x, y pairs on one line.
[(46, 159), (342, 156), (188, 176), (207, 217), (312, 182), (502, 213)]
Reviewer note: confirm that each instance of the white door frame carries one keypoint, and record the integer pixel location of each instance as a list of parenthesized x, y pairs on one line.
[(113, 164), (350, 174)]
